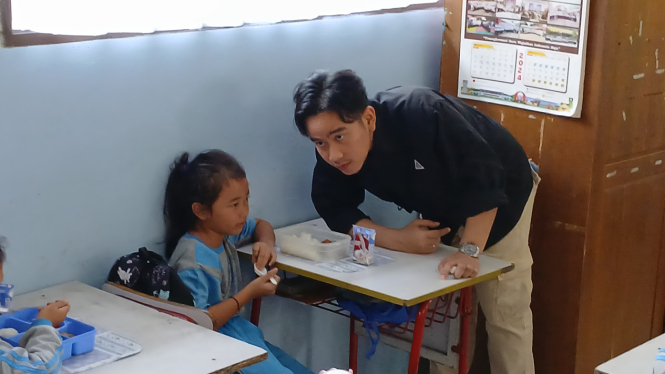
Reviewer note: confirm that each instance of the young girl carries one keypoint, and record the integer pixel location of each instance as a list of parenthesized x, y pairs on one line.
[(205, 211), (40, 348)]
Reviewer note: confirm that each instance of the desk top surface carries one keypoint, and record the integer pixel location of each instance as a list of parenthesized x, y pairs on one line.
[(409, 280), (170, 345), (639, 360)]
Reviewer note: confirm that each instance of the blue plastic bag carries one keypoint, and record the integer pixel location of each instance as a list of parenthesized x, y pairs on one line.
[(373, 314)]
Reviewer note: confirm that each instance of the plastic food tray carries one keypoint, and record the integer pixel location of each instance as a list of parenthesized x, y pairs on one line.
[(82, 342)]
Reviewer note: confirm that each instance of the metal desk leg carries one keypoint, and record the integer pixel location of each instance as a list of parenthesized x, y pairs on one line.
[(256, 311), (418, 337), (465, 328), (353, 347)]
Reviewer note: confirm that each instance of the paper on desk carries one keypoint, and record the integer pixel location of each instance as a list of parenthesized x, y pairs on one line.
[(345, 265), (109, 347), (348, 265)]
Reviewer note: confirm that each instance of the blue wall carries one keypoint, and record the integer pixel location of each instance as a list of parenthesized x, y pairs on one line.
[(87, 132)]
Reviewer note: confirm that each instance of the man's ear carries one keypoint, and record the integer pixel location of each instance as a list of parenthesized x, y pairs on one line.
[(369, 118)]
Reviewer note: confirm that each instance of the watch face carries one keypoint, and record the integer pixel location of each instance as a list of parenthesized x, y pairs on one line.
[(470, 249)]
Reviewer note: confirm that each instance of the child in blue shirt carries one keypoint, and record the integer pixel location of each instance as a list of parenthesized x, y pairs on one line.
[(205, 210), (40, 348)]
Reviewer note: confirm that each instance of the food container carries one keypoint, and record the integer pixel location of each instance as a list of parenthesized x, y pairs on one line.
[(306, 241), (83, 340)]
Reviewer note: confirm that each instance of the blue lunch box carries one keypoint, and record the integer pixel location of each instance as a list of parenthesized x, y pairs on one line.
[(83, 340)]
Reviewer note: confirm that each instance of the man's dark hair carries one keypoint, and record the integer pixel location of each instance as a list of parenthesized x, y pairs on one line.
[(342, 92)]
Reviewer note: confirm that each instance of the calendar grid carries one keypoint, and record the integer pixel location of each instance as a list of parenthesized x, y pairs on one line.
[(547, 72), (493, 63)]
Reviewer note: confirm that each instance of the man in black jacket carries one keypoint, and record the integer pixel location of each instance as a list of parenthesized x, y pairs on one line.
[(435, 155)]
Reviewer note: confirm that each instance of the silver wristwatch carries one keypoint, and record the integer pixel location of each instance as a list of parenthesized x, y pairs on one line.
[(470, 249)]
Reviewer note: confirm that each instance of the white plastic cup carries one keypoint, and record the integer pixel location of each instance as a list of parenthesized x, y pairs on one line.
[(659, 365), (6, 297)]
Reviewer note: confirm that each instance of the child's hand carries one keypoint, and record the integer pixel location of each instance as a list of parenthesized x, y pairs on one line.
[(55, 312), (263, 255), (262, 286)]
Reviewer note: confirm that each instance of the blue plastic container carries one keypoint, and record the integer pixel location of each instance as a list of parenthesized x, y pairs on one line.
[(82, 342), (6, 296)]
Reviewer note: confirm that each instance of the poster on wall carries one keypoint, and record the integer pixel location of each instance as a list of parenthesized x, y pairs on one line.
[(528, 54)]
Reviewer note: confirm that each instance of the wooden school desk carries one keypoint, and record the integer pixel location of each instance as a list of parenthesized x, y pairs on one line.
[(639, 360), (170, 345), (409, 280)]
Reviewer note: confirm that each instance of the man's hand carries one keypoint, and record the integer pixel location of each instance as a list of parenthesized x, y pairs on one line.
[(263, 255), (467, 266), (421, 236)]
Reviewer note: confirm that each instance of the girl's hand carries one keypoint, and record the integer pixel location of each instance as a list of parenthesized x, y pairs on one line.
[(262, 286), (263, 254)]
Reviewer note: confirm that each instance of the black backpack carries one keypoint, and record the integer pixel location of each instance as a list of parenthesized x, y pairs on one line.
[(148, 272)]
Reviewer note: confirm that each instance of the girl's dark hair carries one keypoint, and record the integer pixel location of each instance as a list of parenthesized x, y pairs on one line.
[(199, 181), (3, 240), (342, 92)]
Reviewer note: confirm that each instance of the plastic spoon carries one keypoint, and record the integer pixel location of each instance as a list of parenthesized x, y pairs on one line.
[(263, 272)]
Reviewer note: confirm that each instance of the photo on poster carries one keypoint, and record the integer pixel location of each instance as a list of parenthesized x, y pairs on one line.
[(480, 25), (551, 105), (509, 9), (507, 28), (535, 10), (566, 15), (574, 2), (562, 36), (481, 8), (534, 32)]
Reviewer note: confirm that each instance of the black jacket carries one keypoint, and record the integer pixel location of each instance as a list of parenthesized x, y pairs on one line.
[(435, 155)]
